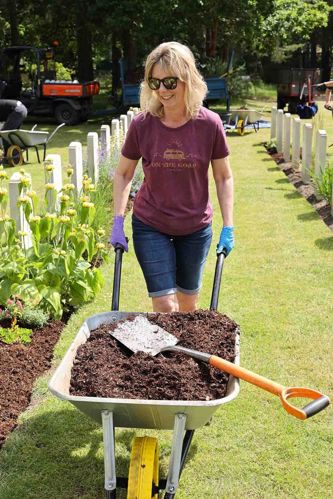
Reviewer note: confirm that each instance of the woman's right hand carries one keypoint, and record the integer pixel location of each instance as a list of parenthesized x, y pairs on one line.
[(117, 235)]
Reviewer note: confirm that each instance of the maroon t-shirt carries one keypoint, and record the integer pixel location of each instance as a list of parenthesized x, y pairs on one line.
[(174, 196)]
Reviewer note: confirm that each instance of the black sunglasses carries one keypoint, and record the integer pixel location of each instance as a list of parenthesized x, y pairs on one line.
[(170, 83)]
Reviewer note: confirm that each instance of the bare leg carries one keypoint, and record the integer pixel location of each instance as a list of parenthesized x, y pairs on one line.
[(167, 303), (187, 303), (328, 93)]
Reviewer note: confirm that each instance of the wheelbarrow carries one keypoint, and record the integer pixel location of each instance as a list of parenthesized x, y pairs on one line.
[(183, 417), (21, 140), (239, 119)]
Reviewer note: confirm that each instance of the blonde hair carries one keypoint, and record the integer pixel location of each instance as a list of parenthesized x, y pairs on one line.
[(178, 60)]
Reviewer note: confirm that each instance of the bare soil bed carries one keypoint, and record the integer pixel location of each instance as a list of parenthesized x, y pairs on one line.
[(20, 366), (105, 368), (294, 176)]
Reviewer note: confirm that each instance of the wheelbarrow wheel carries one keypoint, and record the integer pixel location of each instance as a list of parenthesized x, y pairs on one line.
[(240, 127), (143, 475), (14, 156)]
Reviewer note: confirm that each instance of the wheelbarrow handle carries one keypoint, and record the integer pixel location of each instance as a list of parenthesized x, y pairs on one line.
[(119, 250), (217, 279), (319, 401)]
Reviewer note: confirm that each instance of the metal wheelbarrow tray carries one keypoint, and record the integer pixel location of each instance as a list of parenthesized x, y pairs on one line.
[(239, 119), (133, 413), (22, 140)]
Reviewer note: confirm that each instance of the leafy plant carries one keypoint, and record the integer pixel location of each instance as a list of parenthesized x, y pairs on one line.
[(15, 334), (324, 183), (55, 273), (33, 317)]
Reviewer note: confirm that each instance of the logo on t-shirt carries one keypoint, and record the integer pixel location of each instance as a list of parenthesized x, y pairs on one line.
[(175, 157), (173, 154)]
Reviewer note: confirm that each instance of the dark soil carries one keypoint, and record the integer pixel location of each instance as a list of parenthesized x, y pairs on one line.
[(105, 368), (321, 206), (20, 366)]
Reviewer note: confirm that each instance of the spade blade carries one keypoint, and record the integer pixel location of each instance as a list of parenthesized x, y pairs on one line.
[(140, 335)]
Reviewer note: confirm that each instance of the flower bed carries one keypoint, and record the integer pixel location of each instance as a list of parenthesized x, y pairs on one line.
[(20, 366)]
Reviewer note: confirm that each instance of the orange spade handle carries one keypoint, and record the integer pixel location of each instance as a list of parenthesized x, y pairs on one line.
[(319, 401)]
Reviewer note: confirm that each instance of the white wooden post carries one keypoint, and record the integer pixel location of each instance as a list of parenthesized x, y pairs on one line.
[(306, 152), (296, 142), (130, 116), (279, 130), (55, 178), (273, 122), (321, 152), (123, 123), (17, 212), (75, 159), (286, 136), (136, 110), (92, 156), (105, 142)]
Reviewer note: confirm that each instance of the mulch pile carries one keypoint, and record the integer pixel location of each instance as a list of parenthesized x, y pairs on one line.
[(105, 368), (20, 366)]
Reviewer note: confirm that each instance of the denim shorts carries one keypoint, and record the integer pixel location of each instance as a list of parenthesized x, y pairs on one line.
[(171, 263)]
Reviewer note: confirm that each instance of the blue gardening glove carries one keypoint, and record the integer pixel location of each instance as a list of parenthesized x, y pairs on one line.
[(117, 234), (226, 241)]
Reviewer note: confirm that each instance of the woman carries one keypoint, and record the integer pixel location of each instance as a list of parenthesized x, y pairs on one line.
[(177, 139)]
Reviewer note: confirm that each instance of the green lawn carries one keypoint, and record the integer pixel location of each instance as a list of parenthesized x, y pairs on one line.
[(278, 285)]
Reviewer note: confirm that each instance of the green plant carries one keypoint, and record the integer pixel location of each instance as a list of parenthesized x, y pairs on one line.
[(16, 311), (15, 334), (33, 317), (324, 182), (240, 84), (212, 66), (102, 198), (56, 272), (271, 143), (62, 72)]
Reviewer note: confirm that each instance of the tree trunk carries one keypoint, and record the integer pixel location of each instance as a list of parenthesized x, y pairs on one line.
[(85, 71), (116, 55), (313, 52), (12, 16), (130, 56), (326, 58)]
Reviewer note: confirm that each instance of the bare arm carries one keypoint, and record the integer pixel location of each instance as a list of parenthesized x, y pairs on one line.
[(224, 188), (122, 184)]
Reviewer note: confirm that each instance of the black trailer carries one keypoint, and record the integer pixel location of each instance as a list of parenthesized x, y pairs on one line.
[(294, 87)]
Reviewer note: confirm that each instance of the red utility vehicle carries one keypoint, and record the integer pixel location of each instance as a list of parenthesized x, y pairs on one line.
[(30, 76)]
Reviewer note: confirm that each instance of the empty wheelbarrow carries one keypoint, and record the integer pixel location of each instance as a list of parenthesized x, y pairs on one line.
[(239, 119), (21, 140)]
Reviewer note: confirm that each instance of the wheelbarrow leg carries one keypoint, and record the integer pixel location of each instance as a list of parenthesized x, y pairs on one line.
[(37, 153), (176, 458), (109, 455)]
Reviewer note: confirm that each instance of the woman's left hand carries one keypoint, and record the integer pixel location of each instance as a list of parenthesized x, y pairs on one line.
[(227, 240)]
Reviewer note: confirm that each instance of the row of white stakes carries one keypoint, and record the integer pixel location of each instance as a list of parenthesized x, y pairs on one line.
[(286, 130), (97, 147)]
